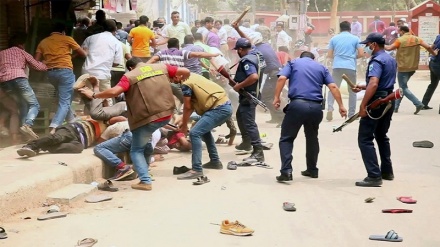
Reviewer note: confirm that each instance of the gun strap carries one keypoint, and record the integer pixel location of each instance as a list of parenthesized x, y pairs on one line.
[(387, 108)]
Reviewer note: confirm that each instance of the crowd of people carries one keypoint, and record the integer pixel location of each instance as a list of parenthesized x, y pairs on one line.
[(145, 84)]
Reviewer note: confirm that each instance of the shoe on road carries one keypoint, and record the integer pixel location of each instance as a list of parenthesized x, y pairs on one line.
[(235, 228)]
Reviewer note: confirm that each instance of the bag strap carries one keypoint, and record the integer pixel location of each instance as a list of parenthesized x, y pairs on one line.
[(259, 71)]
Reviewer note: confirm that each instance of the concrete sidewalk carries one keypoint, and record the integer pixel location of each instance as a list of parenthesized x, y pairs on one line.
[(25, 182)]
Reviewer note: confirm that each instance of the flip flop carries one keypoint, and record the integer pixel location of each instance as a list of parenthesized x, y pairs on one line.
[(98, 198), (87, 242), (288, 206), (107, 186), (369, 199), (221, 140), (391, 236), (202, 180), (407, 199), (232, 165), (267, 146), (263, 165), (3, 233), (51, 216), (423, 144), (397, 210)]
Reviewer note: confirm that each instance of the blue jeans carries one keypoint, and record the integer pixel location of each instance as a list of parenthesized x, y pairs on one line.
[(141, 148), (107, 150), (27, 100), (62, 80), (202, 131), (337, 76), (403, 78)]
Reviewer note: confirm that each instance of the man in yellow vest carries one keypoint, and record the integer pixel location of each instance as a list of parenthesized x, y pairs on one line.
[(210, 101), (407, 58), (146, 111)]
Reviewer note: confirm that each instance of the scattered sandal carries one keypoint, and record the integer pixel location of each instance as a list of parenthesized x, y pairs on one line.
[(288, 206), (369, 199), (107, 186), (98, 198), (87, 242), (50, 216), (391, 236), (263, 165), (3, 233), (407, 199), (397, 211), (232, 165), (202, 180)]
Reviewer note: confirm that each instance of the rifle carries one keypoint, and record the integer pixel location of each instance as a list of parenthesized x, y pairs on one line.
[(398, 94), (222, 71)]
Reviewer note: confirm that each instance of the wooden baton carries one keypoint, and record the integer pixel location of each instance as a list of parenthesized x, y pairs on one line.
[(349, 82), (242, 14)]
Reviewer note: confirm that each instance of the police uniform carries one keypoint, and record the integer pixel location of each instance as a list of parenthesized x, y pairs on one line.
[(306, 78), (252, 63), (384, 67)]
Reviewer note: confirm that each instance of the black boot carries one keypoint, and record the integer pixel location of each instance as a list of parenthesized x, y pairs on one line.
[(257, 155), (370, 182), (245, 145)]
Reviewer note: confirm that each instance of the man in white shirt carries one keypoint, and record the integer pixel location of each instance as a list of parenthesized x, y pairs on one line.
[(283, 39), (223, 35), (104, 51), (176, 29)]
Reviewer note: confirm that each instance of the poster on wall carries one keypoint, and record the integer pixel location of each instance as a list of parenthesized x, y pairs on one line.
[(428, 31), (114, 5)]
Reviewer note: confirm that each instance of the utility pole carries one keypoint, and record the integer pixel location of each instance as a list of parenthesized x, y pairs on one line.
[(293, 9)]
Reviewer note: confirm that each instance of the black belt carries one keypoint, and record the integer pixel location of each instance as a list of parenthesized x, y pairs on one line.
[(57, 69), (308, 100)]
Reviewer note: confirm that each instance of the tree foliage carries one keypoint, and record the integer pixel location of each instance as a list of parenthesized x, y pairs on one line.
[(261, 5), (205, 5)]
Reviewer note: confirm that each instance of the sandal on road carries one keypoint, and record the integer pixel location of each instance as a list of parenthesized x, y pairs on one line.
[(202, 180), (263, 165), (397, 210), (87, 242), (391, 236), (107, 186), (407, 199), (51, 216), (3, 233), (288, 206)]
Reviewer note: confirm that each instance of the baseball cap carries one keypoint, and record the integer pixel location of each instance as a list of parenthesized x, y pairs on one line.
[(242, 43), (374, 37)]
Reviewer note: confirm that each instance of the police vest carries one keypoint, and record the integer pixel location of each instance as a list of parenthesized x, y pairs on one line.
[(258, 61)]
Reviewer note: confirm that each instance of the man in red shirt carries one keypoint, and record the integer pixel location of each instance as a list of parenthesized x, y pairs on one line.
[(150, 104), (377, 26), (13, 62)]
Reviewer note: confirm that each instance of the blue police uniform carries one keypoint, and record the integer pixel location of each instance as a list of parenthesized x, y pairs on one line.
[(270, 72), (306, 79), (252, 63), (384, 67), (434, 70)]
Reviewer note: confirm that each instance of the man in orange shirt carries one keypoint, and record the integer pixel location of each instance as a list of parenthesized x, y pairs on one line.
[(56, 51), (141, 38)]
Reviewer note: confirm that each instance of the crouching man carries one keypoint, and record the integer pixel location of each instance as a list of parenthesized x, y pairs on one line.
[(208, 100)]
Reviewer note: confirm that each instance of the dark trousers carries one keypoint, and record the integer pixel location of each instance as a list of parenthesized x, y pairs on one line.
[(370, 129), (116, 77), (64, 140), (300, 113), (434, 69), (246, 123), (267, 96)]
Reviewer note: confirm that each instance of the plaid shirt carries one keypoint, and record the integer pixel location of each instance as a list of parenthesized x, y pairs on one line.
[(13, 63)]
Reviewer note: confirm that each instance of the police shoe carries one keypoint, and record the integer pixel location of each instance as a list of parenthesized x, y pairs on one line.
[(312, 174), (244, 146), (370, 182), (213, 165), (388, 176), (284, 177)]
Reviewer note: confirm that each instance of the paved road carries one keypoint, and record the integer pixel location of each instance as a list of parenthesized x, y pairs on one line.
[(331, 210)]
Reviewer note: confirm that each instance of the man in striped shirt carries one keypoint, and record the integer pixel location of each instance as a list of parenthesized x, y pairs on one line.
[(13, 62)]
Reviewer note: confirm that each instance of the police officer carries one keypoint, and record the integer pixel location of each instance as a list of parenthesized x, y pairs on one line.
[(306, 78), (380, 78), (250, 70)]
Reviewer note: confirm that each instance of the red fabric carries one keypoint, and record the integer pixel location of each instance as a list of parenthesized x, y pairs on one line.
[(283, 57), (172, 70), (124, 83), (13, 62), (175, 138), (120, 166), (162, 119)]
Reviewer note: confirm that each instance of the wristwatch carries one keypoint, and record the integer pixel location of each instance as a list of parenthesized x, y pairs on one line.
[(93, 95)]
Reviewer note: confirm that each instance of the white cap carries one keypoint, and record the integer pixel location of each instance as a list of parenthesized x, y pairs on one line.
[(256, 37), (403, 19)]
